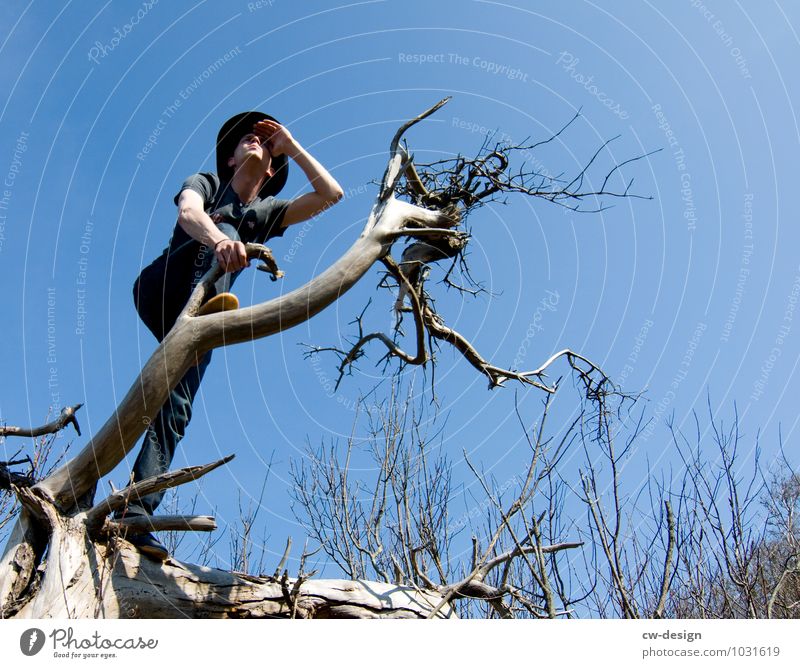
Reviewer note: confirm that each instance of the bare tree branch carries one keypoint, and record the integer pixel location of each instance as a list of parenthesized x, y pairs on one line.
[(120, 499), (66, 417), (665, 580), (147, 523)]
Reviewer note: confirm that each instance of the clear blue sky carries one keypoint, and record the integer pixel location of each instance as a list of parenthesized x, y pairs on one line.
[(705, 275)]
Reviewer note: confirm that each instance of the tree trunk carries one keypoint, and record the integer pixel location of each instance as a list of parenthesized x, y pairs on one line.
[(85, 578)]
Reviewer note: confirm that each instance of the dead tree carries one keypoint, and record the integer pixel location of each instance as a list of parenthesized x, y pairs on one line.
[(400, 527), (455, 188), (66, 557), (716, 538)]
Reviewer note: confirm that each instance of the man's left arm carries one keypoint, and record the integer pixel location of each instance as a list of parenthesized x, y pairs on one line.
[(327, 190)]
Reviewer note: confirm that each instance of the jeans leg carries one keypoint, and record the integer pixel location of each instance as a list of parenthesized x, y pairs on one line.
[(164, 433), (169, 426)]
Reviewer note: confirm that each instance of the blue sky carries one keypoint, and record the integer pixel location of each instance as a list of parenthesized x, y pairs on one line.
[(687, 296)]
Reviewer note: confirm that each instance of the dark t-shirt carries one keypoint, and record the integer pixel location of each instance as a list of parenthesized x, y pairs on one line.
[(168, 281), (256, 222)]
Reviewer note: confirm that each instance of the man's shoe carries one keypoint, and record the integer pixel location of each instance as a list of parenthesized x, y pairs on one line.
[(150, 546), (225, 301)]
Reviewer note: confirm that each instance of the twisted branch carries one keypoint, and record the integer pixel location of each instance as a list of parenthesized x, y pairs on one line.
[(66, 418)]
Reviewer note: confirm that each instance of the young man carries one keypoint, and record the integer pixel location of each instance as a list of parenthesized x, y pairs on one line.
[(217, 214)]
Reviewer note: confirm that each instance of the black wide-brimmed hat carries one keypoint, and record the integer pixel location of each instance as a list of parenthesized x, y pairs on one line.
[(228, 138)]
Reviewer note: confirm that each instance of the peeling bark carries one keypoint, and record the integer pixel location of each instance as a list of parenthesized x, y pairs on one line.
[(86, 578)]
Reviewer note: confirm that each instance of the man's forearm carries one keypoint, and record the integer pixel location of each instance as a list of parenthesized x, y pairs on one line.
[(320, 179), (199, 226)]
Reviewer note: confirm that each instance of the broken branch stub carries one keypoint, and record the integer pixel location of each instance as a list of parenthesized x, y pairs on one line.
[(65, 418)]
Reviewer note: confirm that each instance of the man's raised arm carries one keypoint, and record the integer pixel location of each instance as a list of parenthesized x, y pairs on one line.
[(327, 190)]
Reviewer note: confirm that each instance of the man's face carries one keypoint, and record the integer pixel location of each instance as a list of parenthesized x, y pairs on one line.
[(252, 147)]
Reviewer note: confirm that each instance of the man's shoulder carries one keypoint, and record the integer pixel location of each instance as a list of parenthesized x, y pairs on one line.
[(206, 184), (274, 206), (210, 177)]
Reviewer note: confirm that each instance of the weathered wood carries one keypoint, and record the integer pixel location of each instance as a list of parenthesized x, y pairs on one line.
[(120, 498), (19, 560), (147, 523), (86, 579)]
